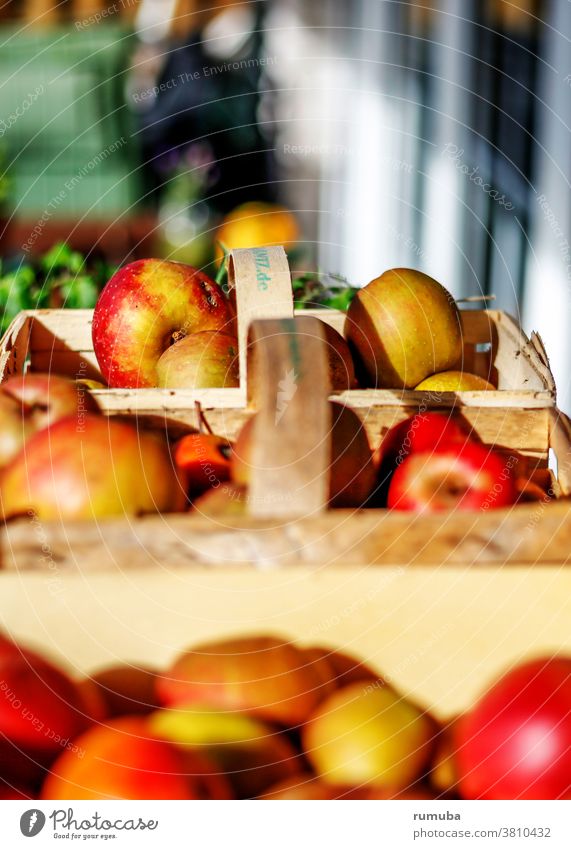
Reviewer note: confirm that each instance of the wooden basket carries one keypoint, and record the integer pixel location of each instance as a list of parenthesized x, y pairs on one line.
[(440, 604), (60, 341)]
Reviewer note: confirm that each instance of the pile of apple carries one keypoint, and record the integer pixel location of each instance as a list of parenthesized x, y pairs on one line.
[(60, 458), (260, 717), (161, 323), (168, 325)]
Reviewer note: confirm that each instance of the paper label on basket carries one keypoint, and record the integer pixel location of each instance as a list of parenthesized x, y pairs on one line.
[(259, 281)]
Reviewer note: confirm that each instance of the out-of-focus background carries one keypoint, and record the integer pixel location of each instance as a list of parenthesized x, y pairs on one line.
[(363, 134)]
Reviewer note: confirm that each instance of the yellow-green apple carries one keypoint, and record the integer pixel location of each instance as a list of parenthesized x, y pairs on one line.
[(124, 760), (146, 307), (462, 476), (250, 753), (203, 360), (368, 735), (268, 677), (403, 327), (98, 467), (454, 381), (352, 471), (41, 710), (31, 402)]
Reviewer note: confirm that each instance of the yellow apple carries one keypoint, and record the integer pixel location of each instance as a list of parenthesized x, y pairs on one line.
[(404, 326), (365, 734), (200, 361), (252, 755), (454, 381)]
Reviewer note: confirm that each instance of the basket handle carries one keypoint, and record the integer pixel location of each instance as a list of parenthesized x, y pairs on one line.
[(259, 283), (291, 436)]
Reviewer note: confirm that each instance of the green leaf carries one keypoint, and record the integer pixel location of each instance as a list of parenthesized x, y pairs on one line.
[(61, 256), (79, 293)]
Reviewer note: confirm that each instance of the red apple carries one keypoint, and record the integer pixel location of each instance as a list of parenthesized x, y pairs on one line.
[(201, 361), (466, 476), (123, 760), (31, 402), (351, 472), (41, 708), (146, 307), (46, 398), (125, 690), (419, 433), (204, 459), (265, 676), (515, 743), (99, 467), (15, 792)]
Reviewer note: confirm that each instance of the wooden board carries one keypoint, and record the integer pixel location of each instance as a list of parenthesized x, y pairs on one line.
[(439, 634)]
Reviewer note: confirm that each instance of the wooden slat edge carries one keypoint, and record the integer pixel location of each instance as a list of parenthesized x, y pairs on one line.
[(560, 441), (535, 534), (14, 345)]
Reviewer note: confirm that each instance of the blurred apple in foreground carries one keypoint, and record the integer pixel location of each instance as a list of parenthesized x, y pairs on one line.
[(145, 308), (126, 689), (338, 668), (462, 477), (300, 787), (265, 676), (454, 381), (404, 326), (95, 468), (515, 743), (123, 760), (251, 754), (31, 402), (15, 792), (352, 471), (371, 793), (368, 735), (41, 709), (444, 772), (201, 361)]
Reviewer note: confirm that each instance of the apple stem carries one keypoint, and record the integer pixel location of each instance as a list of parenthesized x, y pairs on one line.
[(203, 424), (177, 335), (474, 299)]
